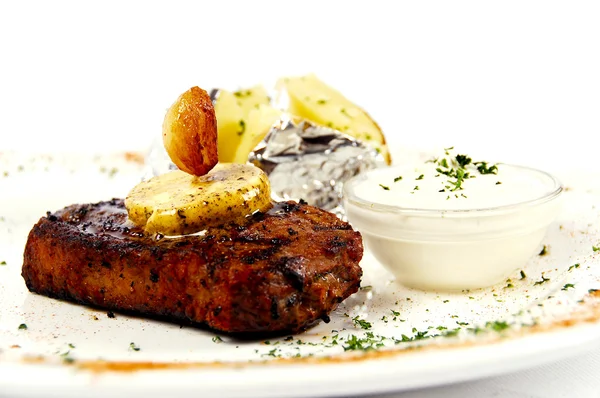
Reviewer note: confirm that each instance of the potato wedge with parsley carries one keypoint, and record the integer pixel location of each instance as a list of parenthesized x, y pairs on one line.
[(312, 99), (251, 98), (233, 125), (258, 124)]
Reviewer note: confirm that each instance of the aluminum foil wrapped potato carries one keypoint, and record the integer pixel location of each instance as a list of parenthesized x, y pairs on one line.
[(310, 162)]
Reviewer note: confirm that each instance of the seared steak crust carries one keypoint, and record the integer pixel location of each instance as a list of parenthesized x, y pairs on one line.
[(281, 271)]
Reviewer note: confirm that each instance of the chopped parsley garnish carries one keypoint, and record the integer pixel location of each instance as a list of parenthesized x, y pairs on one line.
[(397, 178), (133, 347), (450, 333), (369, 342), (460, 178), (463, 160), (343, 110), (543, 280), (568, 286), (456, 169), (544, 251), (385, 187), (483, 168), (71, 345), (523, 276), (573, 266), (321, 101), (362, 323), (416, 188), (2, 262), (498, 182), (242, 127), (420, 335), (243, 93), (420, 177), (497, 326), (66, 358), (596, 248), (217, 339), (23, 326), (272, 353)]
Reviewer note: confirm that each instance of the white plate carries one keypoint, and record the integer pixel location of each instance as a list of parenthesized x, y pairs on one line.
[(67, 349)]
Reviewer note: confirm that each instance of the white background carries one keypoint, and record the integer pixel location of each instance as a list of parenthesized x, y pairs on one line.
[(517, 81), (514, 81)]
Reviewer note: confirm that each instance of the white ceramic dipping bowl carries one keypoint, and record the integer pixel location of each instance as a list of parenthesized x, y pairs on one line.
[(452, 249)]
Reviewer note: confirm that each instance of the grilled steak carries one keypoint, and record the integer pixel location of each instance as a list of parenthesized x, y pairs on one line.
[(281, 271)]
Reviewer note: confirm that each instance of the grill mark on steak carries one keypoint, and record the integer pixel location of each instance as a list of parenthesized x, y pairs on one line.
[(293, 270), (282, 270)]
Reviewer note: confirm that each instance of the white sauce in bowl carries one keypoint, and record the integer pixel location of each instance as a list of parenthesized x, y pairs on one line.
[(435, 232), (420, 188)]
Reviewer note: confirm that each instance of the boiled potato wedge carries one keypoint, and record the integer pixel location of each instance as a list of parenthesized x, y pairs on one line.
[(251, 98), (241, 118), (258, 123), (312, 99), (231, 124)]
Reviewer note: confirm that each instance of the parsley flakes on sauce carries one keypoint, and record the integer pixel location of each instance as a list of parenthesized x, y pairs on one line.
[(457, 169)]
